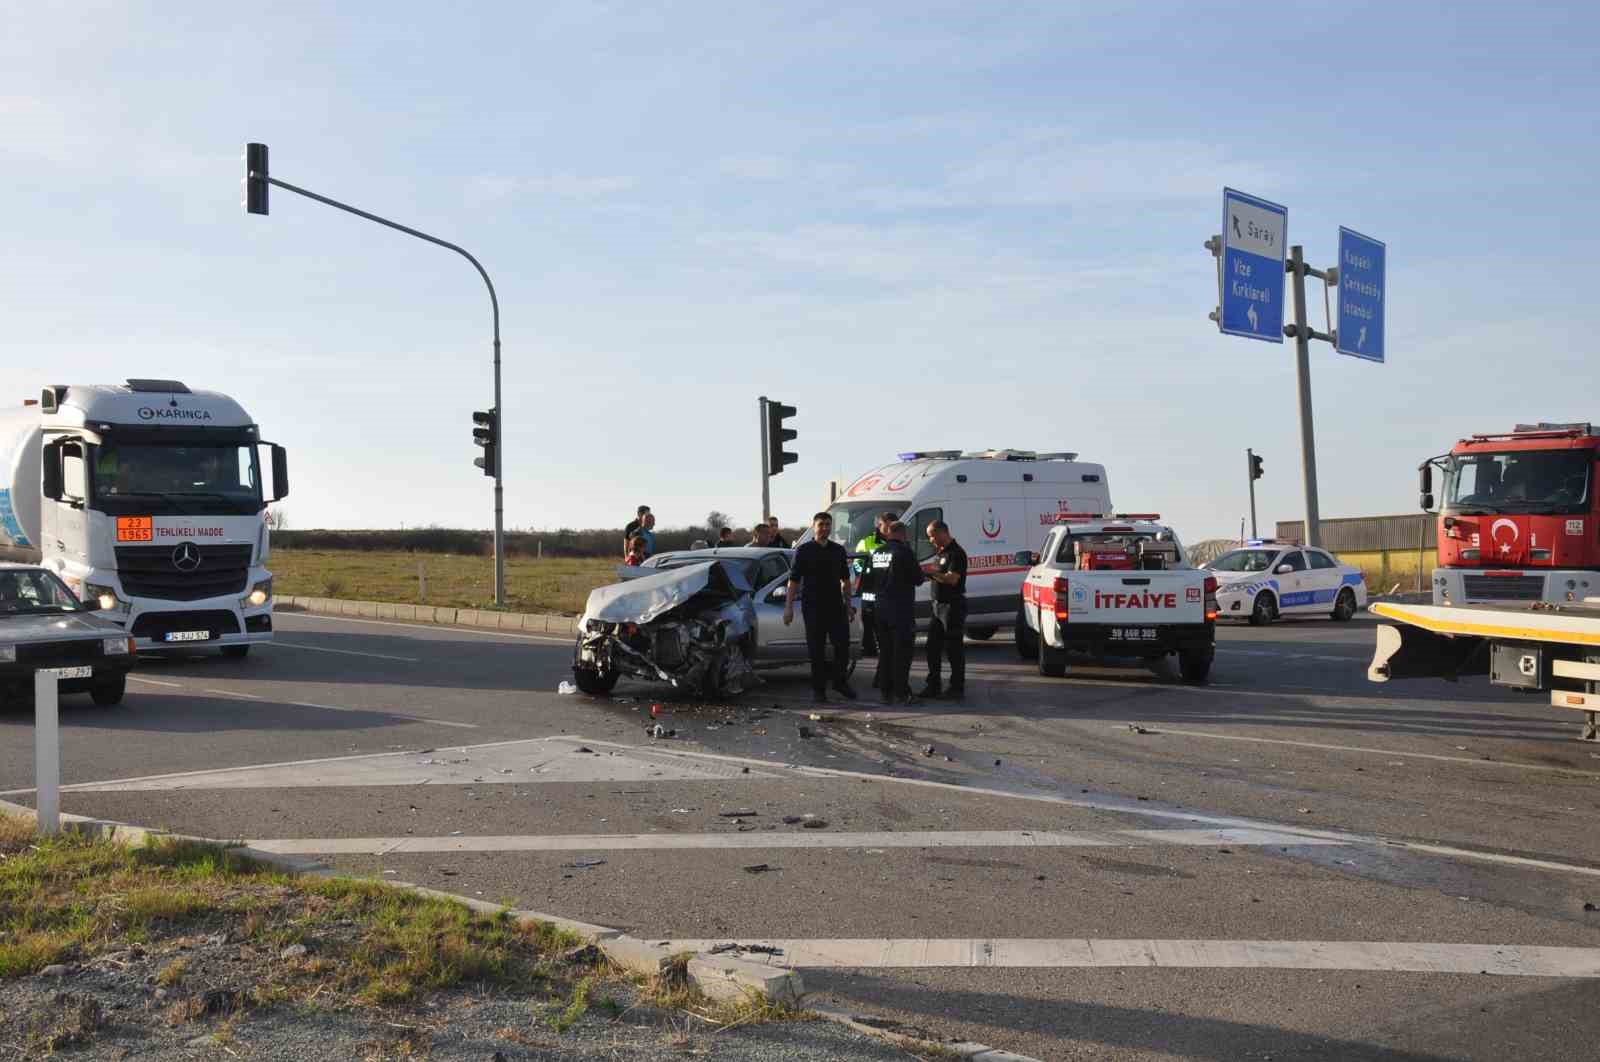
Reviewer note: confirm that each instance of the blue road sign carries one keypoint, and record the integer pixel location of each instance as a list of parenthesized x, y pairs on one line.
[(1254, 234), (1362, 266)]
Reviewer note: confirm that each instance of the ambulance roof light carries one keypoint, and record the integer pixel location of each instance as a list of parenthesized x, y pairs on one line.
[(927, 455)]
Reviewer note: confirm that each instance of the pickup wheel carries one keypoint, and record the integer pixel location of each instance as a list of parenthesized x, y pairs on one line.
[(1195, 664), (107, 692), (1344, 609), (1052, 662), (598, 683), (1265, 610), (1027, 637)]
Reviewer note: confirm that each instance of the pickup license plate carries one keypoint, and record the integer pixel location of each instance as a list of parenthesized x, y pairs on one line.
[(71, 672), (1135, 634), (188, 636)]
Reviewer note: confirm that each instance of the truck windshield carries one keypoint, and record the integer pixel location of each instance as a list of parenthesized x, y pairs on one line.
[(178, 479), (30, 590), (1519, 481), (853, 521)]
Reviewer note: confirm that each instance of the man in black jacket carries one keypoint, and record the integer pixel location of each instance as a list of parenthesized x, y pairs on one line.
[(895, 578), (820, 577)]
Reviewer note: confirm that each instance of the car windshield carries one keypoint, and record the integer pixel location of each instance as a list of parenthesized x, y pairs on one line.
[(1520, 481), (854, 521), (160, 477), (1244, 560), (31, 590)]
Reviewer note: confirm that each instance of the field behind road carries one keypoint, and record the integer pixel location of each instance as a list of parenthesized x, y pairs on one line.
[(555, 584)]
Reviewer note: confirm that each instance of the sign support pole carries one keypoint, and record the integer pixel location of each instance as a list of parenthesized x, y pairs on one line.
[(766, 474), (47, 752), (1302, 334)]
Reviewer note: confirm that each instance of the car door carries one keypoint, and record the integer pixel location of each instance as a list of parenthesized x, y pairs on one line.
[(1324, 577), (776, 643), (1294, 593)]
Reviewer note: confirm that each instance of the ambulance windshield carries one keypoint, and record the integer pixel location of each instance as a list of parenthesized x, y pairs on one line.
[(853, 521)]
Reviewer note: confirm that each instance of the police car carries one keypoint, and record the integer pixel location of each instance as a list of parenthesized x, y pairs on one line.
[(1264, 580)]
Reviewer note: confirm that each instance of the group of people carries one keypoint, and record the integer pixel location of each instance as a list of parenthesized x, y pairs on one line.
[(639, 537), (820, 579)]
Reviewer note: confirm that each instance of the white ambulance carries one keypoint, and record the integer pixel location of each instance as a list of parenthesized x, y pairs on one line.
[(997, 503)]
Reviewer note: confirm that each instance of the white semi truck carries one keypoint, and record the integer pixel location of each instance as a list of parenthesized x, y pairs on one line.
[(147, 499)]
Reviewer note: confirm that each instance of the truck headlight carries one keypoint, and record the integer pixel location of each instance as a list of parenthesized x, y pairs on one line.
[(8, 654), (259, 594), (101, 597), (115, 646)]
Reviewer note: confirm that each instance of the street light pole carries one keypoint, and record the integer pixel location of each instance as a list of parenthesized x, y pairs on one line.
[(494, 305)]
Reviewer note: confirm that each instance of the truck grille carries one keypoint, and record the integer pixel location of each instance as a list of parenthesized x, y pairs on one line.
[(1503, 587), (149, 571), (158, 624)]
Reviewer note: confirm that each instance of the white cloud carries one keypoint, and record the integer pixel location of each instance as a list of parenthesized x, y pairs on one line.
[(497, 188)]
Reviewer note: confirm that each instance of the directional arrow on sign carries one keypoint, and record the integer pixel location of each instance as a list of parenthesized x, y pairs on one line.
[(1251, 312)]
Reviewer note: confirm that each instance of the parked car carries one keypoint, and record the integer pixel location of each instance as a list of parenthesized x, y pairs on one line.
[(44, 626), (1263, 582), (702, 620)]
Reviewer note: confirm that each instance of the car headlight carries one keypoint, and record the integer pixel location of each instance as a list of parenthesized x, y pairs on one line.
[(8, 654), (115, 646), (259, 594), (101, 597)]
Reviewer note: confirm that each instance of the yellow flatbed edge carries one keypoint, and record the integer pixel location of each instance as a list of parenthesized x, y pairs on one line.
[(1566, 626)]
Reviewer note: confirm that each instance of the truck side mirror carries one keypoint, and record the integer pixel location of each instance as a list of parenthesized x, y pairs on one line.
[(50, 483), (1426, 501), (1425, 477), (280, 473)]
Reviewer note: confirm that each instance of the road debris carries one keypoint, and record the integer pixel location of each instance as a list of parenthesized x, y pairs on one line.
[(758, 868), (1137, 729), (805, 733), (927, 750), (584, 864), (741, 813), (659, 731), (814, 824), (566, 688)]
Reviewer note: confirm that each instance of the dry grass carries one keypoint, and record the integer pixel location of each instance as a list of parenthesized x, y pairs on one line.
[(558, 585)]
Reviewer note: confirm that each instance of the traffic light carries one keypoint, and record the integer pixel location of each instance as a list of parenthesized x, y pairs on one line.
[(255, 178), (1255, 466), (486, 433), (777, 435)]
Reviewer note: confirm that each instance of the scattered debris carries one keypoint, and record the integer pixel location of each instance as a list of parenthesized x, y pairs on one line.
[(584, 864), (680, 811), (1137, 729), (566, 688), (659, 731), (997, 763), (792, 820), (742, 813), (584, 748), (293, 951), (814, 824), (449, 872), (1303, 811), (655, 710), (1590, 907), (757, 868), (55, 969), (927, 750), (805, 733)]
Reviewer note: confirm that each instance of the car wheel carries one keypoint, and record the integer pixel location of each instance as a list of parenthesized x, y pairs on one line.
[(980, 634), (236, 652), (1344, 609), (598, 683), (1195, 664), (1027, 637), (1052, 662), (109, 691), (1264, 611)]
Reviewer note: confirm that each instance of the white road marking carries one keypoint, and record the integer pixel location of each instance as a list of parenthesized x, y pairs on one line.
[(1510, 960), (436, 627), (155, 682), (1293, 656), (340, 652), (236, 695), (799, 838)]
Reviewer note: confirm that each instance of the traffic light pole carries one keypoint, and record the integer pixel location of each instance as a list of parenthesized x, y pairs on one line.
[(1250, 474), (494, 304), (766, 474)]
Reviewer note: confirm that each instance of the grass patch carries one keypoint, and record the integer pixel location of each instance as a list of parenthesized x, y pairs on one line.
[(555, 584)]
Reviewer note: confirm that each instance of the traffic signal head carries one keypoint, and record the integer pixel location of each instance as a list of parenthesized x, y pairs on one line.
[(1255, 466), (486, 433), (777, 457), (255, 178)]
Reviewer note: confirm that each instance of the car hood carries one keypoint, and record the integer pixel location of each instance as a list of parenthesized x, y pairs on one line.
[(54, 627), (645, 597)]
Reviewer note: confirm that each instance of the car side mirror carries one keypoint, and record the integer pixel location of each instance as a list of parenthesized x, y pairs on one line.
[(779, 593), (50, 483), (1026, 557), (1284, 569)]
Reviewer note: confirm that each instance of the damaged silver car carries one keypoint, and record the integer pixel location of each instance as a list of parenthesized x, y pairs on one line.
[(700, 620)]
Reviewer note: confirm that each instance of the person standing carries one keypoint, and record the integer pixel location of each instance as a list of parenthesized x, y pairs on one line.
[(863, 566), (647, 532), (820, 577), (777, 535), (948, 631), (895, 578), (725, 538), (761, 536), (633, 527)]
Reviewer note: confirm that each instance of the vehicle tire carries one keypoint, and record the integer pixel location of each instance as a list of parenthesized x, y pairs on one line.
[(1265, 610), (1344, 608), (1027, 637), (598, 683), (107, 692), (1195, 664), (1052, 662), (236, 652), (980, 634)]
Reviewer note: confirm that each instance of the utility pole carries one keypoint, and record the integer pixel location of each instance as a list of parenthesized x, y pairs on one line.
[(1253, 471), (766, 494), (1302, 334), (256, 180)]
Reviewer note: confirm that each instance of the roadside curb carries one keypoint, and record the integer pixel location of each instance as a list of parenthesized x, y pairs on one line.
[(483, 618)]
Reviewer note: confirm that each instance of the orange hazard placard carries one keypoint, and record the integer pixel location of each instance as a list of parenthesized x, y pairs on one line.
[(135, 528)]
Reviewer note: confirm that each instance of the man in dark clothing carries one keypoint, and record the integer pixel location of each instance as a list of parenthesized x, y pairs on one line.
[(725, 538), (948, 631), (633, 527), (863, 566), (895, 578), (820, 577), (777, 535)]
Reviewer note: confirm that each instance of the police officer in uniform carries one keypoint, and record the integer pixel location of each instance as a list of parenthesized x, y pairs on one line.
[(948, 631), (895, 578), (820, 577), (863, 565)]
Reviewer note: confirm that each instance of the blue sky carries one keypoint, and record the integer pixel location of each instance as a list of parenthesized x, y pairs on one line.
[(926, 225)]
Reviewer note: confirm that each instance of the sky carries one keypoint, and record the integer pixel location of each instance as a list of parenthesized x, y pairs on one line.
[(925, 225)]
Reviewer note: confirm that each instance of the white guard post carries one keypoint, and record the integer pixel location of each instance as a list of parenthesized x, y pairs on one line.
[(47, 751)]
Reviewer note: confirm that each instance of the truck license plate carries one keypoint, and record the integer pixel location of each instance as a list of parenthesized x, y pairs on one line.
[(188, 636), (1134, 634), (71, 672)]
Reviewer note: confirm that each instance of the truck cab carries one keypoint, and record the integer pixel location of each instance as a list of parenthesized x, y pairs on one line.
[(1518, 517)]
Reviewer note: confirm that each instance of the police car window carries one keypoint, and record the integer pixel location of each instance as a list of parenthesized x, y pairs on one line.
[(919, 531), (1320, 560), (1294, 559)]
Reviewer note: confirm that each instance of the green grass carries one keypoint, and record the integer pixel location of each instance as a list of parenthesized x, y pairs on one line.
[(559, 585)]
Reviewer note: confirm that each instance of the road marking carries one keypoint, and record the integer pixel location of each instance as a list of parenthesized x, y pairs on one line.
[(1293, 656), (552, 640), (766, 839), (156, 682), (341, 652), (296, 704), (1508, 960)]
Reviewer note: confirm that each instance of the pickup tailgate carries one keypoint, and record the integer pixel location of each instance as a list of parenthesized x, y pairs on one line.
[(1136, 598)]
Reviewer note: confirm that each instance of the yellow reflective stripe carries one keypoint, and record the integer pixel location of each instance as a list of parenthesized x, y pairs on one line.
[(1486, 630)]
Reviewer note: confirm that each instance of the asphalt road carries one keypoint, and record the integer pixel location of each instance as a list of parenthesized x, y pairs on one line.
[(1288, 862)]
